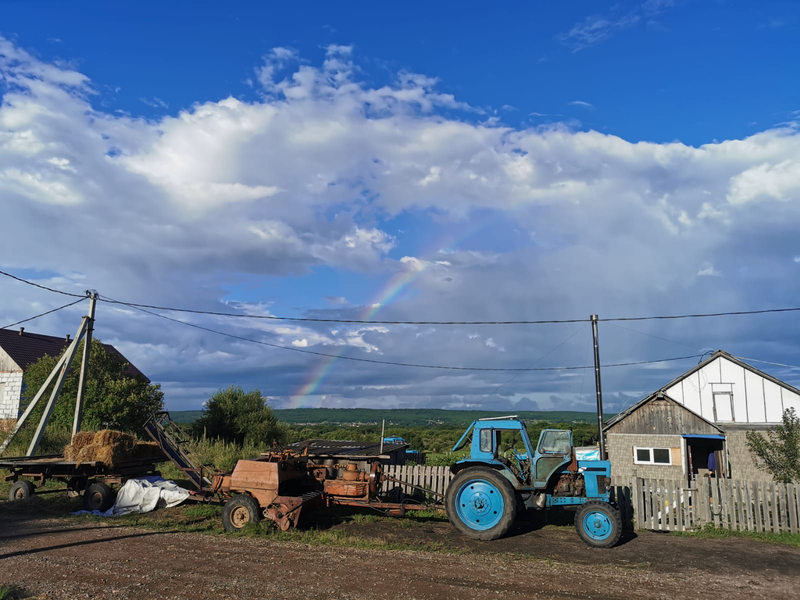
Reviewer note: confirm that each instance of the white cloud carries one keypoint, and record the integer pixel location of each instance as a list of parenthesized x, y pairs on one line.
[(598, 28), (581, 103), (184, 208)]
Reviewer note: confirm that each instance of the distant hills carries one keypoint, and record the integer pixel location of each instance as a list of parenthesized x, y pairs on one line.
[(402, 416)]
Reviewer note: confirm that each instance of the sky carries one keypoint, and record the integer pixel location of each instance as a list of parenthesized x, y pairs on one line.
[(414, 162)]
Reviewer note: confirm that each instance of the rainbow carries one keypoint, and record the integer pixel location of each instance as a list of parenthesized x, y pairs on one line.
[(393, 288)]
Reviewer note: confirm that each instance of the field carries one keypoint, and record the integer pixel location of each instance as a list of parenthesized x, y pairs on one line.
[(182, 553), (401, 417)]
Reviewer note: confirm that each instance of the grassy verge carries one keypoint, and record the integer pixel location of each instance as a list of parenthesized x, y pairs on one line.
[(711, 532)]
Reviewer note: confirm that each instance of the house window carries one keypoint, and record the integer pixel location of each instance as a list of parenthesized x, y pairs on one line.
[(652, 456)]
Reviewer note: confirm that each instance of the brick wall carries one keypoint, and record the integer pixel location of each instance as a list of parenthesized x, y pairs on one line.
[(11, 384), (742, 462), (620, 452)]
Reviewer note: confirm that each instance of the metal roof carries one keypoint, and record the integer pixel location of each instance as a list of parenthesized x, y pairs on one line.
[(345, 448), (25, 348)]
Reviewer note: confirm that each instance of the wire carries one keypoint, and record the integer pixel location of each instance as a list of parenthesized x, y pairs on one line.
[(320, 320), (533, 364), (44, 313), (704, 315), (777, 364), (394, 363), (43, 287), (653, 336)]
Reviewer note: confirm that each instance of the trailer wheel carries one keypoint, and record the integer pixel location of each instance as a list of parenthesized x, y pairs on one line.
[(98, 496), (480, 503), (598, 524), (240, 511), (21, 490)]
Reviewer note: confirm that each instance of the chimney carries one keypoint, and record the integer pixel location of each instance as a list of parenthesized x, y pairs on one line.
[(21, 330), (67, 337)]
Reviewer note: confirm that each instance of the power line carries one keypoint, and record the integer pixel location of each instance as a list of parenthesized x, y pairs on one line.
[(658, 337), (43, 287), (704, 315), (395, 363), (777, 364), (366, 322), (44, 313), (321, 320), (533, 364)]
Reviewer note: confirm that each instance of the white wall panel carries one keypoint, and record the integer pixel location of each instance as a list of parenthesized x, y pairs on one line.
[(774, 403), (755, 397), (791, 400), (734, 374)]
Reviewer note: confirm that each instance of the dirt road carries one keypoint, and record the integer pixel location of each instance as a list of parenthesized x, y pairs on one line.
[(71, 558)]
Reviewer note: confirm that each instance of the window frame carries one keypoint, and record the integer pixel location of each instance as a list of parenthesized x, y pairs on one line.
[(651, 450)]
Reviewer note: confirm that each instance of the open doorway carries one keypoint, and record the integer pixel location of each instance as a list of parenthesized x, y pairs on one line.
[(704, 456)]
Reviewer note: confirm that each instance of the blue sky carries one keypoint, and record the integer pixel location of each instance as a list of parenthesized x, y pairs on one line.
[(448, 161)]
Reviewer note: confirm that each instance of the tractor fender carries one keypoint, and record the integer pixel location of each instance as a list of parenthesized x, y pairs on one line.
[(497, 466)]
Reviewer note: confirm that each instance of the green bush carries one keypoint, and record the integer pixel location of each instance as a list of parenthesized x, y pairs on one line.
[(233, 415)]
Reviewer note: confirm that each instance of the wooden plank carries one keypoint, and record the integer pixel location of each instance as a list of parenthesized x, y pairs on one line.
[(797, 505), (741, 521), (639, 499), (672, 497), (773, 507), (659, 503), (680, 521), (756, 506), (784, 496), (733, 510), (716, 504), (748, 510), (652, 506)]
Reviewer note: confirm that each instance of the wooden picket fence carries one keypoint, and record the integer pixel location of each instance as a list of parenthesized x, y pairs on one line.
[(665, 505), (656, 504), (431, 478)]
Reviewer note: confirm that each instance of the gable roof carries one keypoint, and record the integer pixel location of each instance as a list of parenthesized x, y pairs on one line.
[(662, 391), (737, 361), (660, 395), (26, 348)]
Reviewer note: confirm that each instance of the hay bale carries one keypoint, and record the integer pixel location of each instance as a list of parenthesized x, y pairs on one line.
[(147, 450), (70, 453), (108, 446), (82, 439), (116, 439)]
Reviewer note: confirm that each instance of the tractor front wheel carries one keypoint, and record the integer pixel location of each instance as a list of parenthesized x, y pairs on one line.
[(240, 511), (598, 524), (480, 503)]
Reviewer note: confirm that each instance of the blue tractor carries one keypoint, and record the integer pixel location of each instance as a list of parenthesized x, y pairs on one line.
[(497, 483)]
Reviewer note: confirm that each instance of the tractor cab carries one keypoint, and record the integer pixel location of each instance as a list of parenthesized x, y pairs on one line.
[(504, 442)]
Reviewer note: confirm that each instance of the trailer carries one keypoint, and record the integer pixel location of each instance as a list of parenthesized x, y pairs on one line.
[(95, 481)]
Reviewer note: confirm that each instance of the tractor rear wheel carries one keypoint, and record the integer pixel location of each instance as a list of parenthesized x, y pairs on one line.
[(480, 503), (240, 511), (598, 524)]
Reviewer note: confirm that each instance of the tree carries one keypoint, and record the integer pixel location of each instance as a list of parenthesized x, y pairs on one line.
[(779, 450), (113, 399), (241, 417)]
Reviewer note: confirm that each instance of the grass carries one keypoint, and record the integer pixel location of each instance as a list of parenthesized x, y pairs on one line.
[(711, 532)]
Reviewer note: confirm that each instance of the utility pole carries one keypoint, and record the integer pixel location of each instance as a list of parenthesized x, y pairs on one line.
[(599, 387), (87, 349)]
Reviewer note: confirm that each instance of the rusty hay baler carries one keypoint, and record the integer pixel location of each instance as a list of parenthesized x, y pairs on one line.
[(279, 485)]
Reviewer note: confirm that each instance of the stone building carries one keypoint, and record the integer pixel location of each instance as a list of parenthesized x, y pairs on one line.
[(698, 422), (19, 350)]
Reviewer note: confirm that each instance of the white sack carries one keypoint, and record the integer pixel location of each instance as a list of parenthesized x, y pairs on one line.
[(143, 495)]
